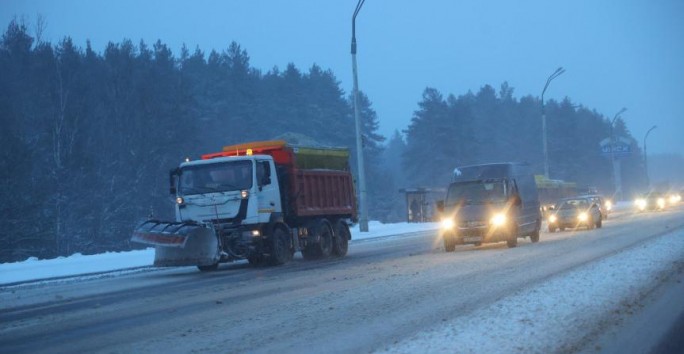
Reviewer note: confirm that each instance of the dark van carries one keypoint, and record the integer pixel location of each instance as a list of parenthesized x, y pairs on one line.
[(491, 203)]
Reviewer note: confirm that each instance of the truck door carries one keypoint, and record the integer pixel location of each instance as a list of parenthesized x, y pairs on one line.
[(268, 191)]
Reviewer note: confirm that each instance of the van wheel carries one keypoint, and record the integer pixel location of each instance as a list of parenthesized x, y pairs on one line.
[(512, 242), (535, 236), (449, 243), (513, 238)]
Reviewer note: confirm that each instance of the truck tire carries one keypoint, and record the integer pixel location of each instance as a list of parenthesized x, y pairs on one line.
[(340, 244), (321, 245), (280, 248)]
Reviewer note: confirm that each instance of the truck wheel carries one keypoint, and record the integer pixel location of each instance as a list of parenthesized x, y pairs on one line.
[(208, 268), (280, 248), (322, 246), (341, 238)]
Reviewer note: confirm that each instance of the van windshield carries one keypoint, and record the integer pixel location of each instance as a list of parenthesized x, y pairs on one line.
[(476, 192), (215, 177)]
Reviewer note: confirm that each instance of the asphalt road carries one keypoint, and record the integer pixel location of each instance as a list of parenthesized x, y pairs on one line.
[(382, 292)]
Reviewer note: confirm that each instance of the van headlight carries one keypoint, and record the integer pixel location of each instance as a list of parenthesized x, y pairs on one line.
[(553, 219), (447, 224), (583, 217), (498, 219)]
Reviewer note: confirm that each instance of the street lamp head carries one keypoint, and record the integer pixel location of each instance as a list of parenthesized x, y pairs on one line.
[(617, 115)]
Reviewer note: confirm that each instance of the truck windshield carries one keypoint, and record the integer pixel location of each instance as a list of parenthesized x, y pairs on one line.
[(215, 177), (476, 192)]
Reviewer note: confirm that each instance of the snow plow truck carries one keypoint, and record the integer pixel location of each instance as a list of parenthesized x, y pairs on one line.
[(259, 201)]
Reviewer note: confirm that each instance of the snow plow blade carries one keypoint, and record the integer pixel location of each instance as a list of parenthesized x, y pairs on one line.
[(178, 243)]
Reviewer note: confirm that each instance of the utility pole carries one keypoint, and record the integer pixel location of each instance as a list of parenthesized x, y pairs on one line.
[(363, 210), (617, 171), (648, 180)]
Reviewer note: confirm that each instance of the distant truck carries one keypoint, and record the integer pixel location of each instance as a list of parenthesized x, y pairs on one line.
[(490, 203), (259, 201)]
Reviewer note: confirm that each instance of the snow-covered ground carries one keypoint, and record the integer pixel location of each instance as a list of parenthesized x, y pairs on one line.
[(560, 314), (77, 264)]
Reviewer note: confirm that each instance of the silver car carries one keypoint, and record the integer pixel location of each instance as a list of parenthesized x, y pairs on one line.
[(573, 213)]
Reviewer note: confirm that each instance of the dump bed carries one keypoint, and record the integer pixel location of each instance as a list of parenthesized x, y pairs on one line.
[(322, 192), (315, 181)]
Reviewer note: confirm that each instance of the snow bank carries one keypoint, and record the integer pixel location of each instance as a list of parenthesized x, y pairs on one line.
[(559, 314)]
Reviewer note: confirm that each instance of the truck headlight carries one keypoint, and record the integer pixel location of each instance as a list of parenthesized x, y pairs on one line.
[(447, 224), (498, 219), (251, 233), (180, 200), (553, 219), (583, 217)]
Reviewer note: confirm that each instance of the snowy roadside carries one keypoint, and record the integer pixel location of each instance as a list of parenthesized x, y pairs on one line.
[(561, 314), (78, 264)]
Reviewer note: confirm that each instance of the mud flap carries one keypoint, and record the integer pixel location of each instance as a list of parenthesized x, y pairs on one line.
[(179, 243)]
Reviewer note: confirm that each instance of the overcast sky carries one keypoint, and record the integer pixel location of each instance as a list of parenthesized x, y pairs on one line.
[(621, 53)]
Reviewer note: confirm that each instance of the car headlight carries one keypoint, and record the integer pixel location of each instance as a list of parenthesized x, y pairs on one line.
[(553, 219), (244, 194), (640, 203), (674, 199), (447, 224), (661, 202), (583, 217), (609, 205), (180, 200), (498, 219)]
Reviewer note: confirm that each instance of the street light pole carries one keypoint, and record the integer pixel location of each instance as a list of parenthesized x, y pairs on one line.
[(617, 172), (648, 181), (363, 210), (555, 74)]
